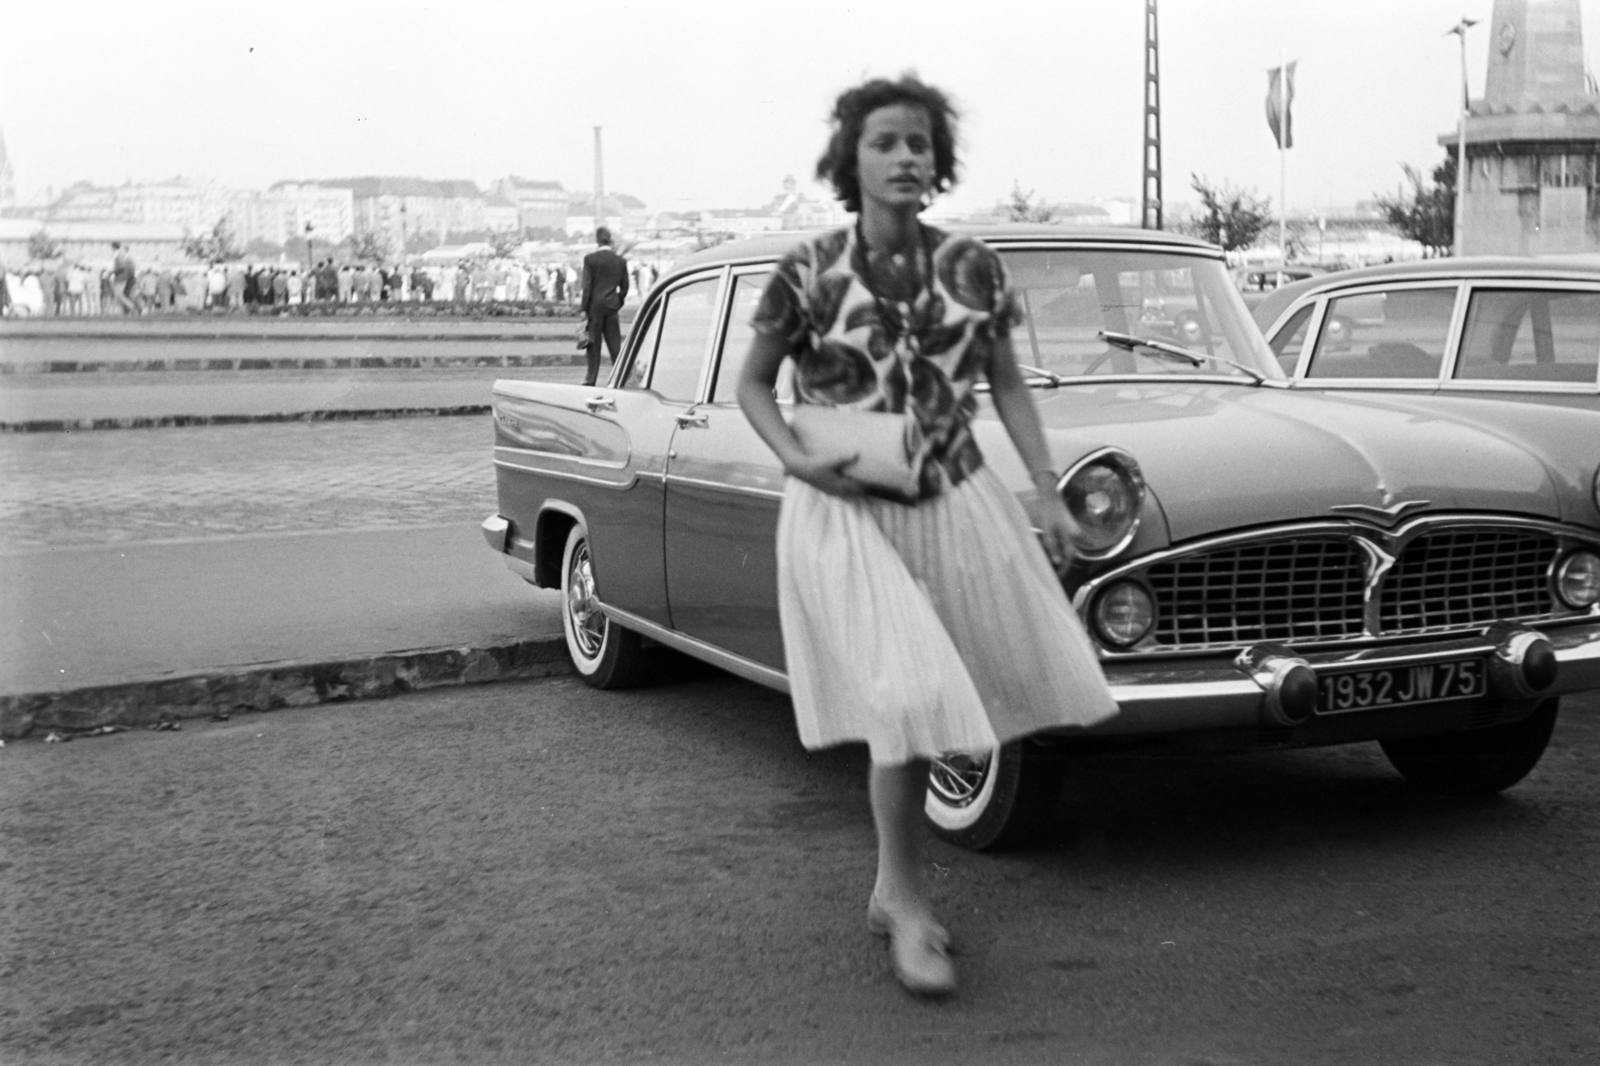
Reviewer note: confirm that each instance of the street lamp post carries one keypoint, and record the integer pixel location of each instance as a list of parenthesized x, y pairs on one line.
[(1458, 240)]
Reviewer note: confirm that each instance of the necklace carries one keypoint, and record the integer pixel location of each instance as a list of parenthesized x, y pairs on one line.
[(897, 317)]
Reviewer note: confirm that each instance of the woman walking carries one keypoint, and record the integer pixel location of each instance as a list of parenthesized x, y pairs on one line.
[(922, 619)]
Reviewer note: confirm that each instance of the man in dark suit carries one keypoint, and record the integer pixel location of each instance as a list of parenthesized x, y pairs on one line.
[(605, 286)]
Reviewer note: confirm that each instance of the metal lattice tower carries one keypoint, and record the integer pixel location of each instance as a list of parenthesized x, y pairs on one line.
[(1150, 217)]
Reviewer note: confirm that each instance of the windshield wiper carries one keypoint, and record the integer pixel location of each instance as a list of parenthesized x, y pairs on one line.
[(1055, 380), (1163, 350)]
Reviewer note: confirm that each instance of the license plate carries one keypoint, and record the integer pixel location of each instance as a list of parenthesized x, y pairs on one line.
[(1395, 686)]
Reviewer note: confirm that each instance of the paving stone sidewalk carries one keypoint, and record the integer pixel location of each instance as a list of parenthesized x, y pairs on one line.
[(62, 489)]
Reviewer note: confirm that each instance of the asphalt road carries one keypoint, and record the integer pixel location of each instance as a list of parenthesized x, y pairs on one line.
[(537, 872)]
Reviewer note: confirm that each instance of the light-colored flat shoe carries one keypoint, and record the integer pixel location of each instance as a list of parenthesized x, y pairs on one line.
[(880, 924), (919, 952)]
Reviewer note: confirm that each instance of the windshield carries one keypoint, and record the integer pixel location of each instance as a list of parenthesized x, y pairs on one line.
[(1069, 296)]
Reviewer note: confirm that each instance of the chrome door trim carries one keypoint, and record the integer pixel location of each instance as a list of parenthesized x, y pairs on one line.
[(723, 486), (699, 649)]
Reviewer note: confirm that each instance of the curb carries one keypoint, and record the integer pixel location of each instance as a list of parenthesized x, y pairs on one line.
[(357, 362), (277, 685), (68, 425)]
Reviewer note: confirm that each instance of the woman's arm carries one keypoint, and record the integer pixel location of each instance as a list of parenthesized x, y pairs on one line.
[(1013, 401), (756, 383)]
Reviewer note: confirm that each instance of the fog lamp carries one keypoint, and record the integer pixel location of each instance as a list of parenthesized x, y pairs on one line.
[(1105, 495), (1578, 579), (1124, 613)]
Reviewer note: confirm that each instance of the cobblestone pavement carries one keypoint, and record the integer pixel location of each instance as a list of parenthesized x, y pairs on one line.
[(132, 486)]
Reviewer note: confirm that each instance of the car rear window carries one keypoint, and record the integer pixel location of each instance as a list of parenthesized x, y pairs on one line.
[(1531, 335)]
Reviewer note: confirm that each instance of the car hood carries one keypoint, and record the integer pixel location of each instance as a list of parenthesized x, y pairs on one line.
[(1224, 456)]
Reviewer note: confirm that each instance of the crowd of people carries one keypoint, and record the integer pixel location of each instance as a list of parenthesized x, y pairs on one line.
[(75, 288)]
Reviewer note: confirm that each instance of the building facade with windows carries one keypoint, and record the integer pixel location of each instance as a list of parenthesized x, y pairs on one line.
[(540, 204)]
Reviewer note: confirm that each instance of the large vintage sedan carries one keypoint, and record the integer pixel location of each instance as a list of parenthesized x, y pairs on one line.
[(1517, 328), (1261, 567)]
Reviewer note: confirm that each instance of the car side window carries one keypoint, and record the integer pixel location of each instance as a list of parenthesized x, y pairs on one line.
[(1531, 335), (686, 319), (1395, 334), (736, 341), (1287, 343), (644, 353), (747, 289)]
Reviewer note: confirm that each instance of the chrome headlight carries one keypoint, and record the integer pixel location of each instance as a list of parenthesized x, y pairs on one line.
[(1124, 614), (1104, 493), (1578, 579), (1595, 489)]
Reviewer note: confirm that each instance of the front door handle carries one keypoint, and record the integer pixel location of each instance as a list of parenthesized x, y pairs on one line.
[(600, 403), (693, 418)]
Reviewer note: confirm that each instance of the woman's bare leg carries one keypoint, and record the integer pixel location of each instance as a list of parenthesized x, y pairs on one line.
[(897, 798), (917, 942)]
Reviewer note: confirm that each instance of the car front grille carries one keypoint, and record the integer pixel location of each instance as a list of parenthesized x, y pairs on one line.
[(1285, 590), (1312, 588), (1452, 578)]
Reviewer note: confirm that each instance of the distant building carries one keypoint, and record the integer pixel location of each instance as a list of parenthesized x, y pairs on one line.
[(1533, 142), (401, 207), (540, 204), (795, 210), (624, 213), (90, 241), (500, 215), (331, 212)]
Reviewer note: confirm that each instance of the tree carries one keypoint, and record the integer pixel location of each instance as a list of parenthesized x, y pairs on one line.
[(261, 248), (1023, 208), (421, 241), (217, 243), (1229, 216), (371, 246), (43, 246), (505, 242), (1428, 213)]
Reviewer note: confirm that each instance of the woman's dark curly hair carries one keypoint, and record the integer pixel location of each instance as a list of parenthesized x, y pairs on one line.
[(838, 163)]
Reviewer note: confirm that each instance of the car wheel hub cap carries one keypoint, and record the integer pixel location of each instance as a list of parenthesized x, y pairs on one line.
[(588, 621), (958, 779)]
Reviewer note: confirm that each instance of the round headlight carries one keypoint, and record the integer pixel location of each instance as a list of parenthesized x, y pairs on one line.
[(1105, 495), (1578, 579), (1124, 613)]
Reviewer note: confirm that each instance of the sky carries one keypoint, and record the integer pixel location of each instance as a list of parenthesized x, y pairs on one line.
[(709, 103)]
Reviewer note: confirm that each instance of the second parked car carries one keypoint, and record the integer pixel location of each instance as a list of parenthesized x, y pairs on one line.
[(1502, 327)]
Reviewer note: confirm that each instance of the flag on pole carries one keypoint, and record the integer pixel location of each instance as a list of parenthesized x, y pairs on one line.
[(1280, 95)]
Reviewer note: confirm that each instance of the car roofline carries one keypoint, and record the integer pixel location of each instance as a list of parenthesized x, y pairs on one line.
[(769, 248), (1270, 311)]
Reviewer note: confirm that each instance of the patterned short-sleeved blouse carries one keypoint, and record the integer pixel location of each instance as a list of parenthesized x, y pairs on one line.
[(916, 347)]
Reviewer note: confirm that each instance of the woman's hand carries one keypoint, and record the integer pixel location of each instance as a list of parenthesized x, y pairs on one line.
[(1057, 531), (825, 472)]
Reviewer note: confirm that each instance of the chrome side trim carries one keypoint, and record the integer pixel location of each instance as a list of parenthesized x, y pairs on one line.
[(723, 486), (724, 660), (563, 475)]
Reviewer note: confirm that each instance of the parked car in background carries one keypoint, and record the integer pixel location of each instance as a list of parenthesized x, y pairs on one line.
[(1261, 567), (1256, 283), (1501, 327)]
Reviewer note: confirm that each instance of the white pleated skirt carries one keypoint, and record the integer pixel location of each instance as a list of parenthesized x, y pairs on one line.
[(929, 629)]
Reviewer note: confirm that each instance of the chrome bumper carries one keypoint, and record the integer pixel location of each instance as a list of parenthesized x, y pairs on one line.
[(1191, 696)]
